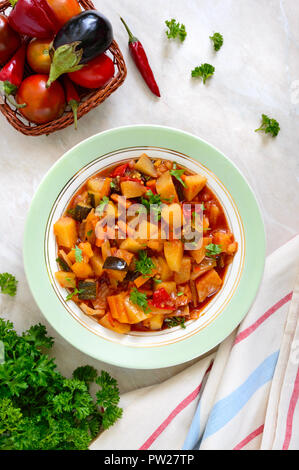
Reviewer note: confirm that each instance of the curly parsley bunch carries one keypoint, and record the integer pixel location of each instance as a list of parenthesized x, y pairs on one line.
[(42, 410)]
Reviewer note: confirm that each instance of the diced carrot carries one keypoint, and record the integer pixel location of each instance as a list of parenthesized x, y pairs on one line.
[(208, 284)]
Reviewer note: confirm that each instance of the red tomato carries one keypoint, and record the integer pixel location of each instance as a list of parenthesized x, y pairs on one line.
[(95, 74), (65, 9), (38, 56), (9, 40), (43, 104)]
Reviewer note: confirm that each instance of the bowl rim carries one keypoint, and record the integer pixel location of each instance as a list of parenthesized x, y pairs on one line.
[(218, 330)]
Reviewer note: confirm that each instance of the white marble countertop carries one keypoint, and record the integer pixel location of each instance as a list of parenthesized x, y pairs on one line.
[(257, 71)]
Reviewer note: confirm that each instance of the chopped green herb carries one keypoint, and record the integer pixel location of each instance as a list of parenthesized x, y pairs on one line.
[(217, 39), (8, 284), (204, 71), (175, 29), (40, 409), (213, 250), (140, 299), (175, 321), (178, 175), (112, 185), (101, 207), (145, 264), (89, 233), (269, 126), (157, 281), (179, 294), (153, 203), (78, 254)]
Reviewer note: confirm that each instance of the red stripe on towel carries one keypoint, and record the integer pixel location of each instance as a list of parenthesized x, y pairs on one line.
[(290, 416), (244, 334), (249, 438), (181, 406)]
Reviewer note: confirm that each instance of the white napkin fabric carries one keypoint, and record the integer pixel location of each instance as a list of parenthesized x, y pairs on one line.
[(244, 396)]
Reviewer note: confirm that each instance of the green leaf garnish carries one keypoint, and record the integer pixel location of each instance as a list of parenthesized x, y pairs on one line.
[(269, 126), (213, 250), (78, 254), (71, 295), (140, 299), (8, 284), (175, 29), (217, 39), (204, 71), (175, 321)]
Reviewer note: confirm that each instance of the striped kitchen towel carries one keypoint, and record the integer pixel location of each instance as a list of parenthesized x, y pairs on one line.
[(244, 396)]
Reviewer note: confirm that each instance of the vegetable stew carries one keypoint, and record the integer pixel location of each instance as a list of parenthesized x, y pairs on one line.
[(143, 246)]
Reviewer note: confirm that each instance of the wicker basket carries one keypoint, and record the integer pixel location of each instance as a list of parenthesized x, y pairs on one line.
[(89, 99)]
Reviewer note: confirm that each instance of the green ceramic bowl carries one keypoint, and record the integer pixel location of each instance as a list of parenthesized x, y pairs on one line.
[(222, 314)]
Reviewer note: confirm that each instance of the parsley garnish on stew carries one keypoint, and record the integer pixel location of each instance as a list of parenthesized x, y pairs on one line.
[(269, 126), (217, 39), (71, 295), (204, 71), (213, 250), (145, 264), (78, 254), (8, 284), (103, 203), (175, 321), (175, 29), (140, 299), (178, 175)]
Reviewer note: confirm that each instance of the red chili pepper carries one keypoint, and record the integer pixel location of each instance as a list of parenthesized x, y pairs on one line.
[(140, 58), (34, 18), (161, 298), (120, 170), (72, 98), (11, 75)]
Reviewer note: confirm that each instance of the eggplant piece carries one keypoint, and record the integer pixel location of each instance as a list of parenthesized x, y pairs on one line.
[(115, 263), (87, 290), (81, 211), (63, 265), (81, 39)]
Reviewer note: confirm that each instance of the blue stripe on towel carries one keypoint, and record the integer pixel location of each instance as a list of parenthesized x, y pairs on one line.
[(227, 408)]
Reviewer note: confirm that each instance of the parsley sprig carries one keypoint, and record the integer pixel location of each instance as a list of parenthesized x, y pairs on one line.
[(153, 203), (217, 39), (8, 284), (102, 205), (175, 29), (71, 295), (144, 265), (40, 409), (140, 299), (269, 126), (175, 321), (203, 71)]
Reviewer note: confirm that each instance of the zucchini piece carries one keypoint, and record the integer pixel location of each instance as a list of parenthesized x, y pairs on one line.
[(94, 198), (87, 290), (62, 264), (81, 211)]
